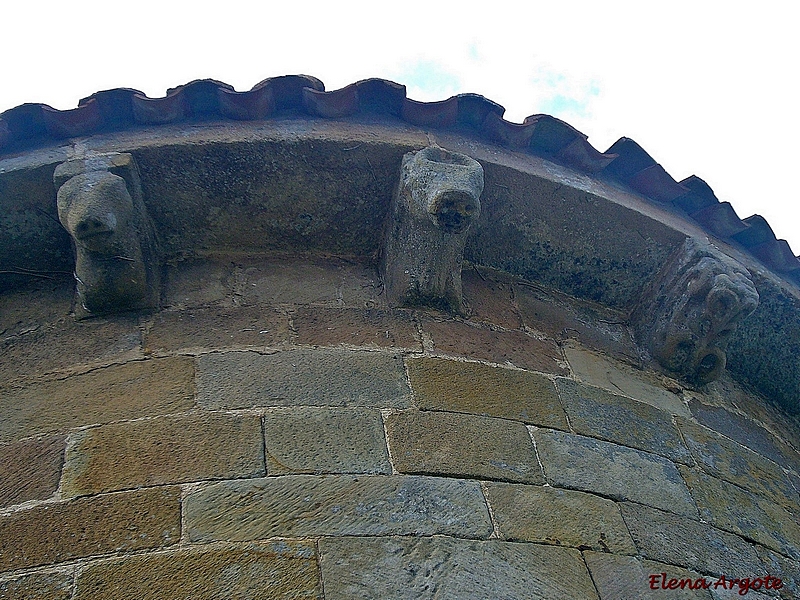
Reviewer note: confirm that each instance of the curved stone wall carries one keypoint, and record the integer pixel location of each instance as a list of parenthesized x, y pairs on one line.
[(277, 431)]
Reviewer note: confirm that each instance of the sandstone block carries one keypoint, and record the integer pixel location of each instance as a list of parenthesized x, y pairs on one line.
[(42, 350), (30, 470), (279, 570), (475, 388), (435, 443), (302, 377), (489, 299), (306, 505), (582, 463), (443, 568), (355, 327), (561, 517), (163, 450), (597, 413), (214, 327), (38, 586), (733, 509), (676, 540), (52, 533), (501, 347), (323, 440), (725, 459), (599, 371), (128, 391)]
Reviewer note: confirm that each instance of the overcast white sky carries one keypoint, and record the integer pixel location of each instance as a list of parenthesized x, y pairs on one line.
[(707, 88)]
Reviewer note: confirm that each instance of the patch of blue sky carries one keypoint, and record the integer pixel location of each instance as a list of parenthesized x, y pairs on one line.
[(431, 79), (565, 98)]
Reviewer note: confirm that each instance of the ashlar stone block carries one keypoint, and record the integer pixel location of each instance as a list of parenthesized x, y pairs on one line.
[(442, 568), (726, 459), (325, 440), (53, 533), (676, 540), (597, 413), (739, 511), (163, 450), (561, 517), (277, 570), (458, 445), (475, 388), (302, 377), (581, 463), (308, 505)]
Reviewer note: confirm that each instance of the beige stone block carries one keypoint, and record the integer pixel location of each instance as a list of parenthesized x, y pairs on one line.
[(123, 522), (128, 391), (590, 465), (163, 450), (38, 586), (30, 470), (516, 348), (458, 445), (325, 440), (308, 505), (279, 570), (561, 517), (455, 386), (442, 568), (597, 413), (619, 378)]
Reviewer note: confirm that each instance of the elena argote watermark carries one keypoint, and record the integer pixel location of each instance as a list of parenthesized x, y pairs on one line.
[(660, 581)]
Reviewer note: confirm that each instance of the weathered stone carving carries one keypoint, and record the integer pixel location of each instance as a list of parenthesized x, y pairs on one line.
[(100, 204), (685, 321), (436, 201)]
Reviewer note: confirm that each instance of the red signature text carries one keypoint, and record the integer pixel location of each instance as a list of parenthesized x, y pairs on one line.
[(660, 581)]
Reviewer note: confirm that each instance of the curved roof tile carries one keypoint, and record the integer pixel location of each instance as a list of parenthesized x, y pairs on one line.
[(625, 162)]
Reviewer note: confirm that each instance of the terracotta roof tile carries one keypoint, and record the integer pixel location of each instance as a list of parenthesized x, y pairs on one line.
[(626, 162)]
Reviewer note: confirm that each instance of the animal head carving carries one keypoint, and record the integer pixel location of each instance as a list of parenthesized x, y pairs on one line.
[(686, 324)]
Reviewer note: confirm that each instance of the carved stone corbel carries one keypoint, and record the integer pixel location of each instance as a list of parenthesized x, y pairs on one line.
[(436, 201), (100, 205), (688, 316)]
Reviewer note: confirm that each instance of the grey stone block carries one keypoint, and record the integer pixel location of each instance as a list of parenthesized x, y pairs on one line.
[(628, 578), (582, 463), (736, 510), (443, 568), (301, 377), (598, 413), (307, 505), (325, 440), (676, 540), (724, 458)]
